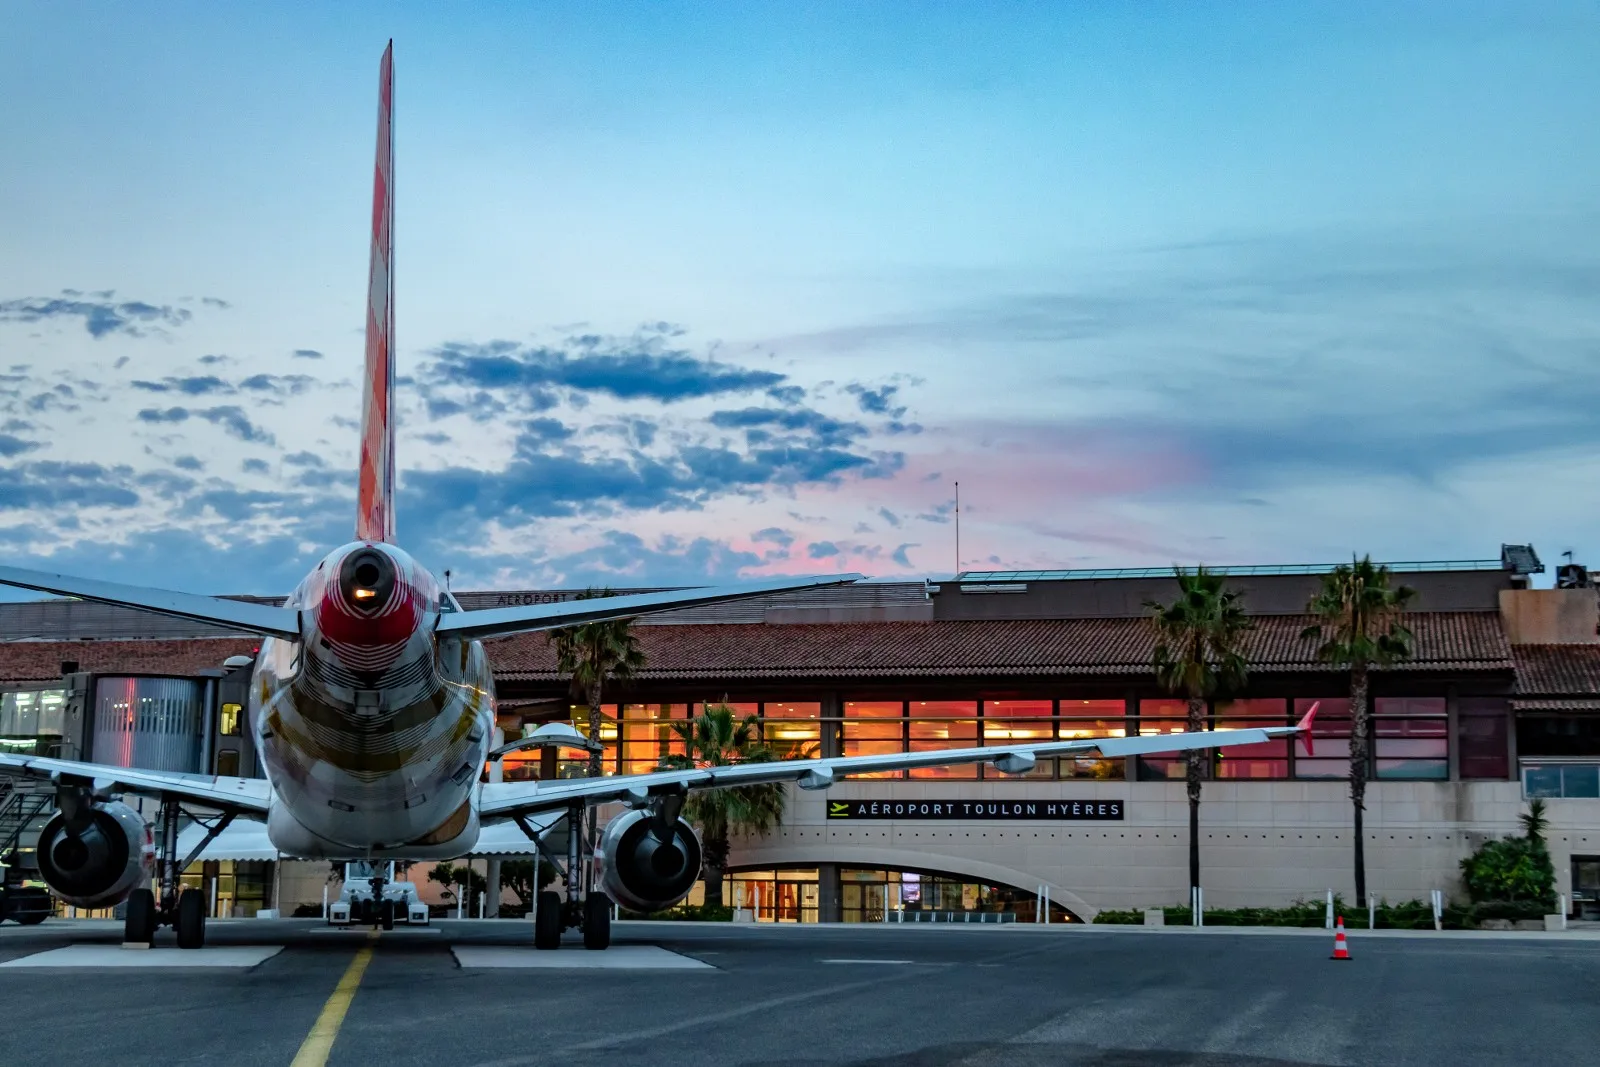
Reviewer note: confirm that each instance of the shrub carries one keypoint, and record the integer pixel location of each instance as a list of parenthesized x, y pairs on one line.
[(686, 913), (1514, 869)]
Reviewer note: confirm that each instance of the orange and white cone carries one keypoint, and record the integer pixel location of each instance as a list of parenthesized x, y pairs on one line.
[(1341, 951)]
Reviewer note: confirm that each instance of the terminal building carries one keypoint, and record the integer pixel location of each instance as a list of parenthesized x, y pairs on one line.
[(1499, 703)]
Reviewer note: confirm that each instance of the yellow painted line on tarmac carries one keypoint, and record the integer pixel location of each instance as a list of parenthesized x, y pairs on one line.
[(314, 1051)]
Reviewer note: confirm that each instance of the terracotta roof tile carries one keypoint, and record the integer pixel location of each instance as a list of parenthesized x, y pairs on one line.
[(1470, 641), (1445, 641), (1558, 670)]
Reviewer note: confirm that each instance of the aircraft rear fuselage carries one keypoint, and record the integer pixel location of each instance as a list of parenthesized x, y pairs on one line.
[(373, 730)]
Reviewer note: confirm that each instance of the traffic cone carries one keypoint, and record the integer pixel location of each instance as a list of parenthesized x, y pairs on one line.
[(1341, 951)]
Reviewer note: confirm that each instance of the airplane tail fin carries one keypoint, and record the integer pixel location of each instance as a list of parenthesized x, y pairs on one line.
[(375, 504)]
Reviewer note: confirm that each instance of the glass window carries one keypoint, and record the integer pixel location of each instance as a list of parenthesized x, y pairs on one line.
[(1558, 735), (228, 763), (1482, 729), (1540, 781), (874, 728), (648, 736), (1270, 759), (1580, 780), (1023, 722), (941, 724), (574, 764), (228, 720), (1082, 719), (1410, 738), (1329, 754), (792, 729), (1164, 717)]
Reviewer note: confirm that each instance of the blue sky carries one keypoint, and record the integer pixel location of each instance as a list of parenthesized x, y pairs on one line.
[(695, 291)]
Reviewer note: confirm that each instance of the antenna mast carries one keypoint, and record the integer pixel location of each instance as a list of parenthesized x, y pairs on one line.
[(958, 528)]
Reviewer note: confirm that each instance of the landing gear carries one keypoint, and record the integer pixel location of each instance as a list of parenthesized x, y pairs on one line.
[(547, 922), (386, 914), (190, 920), (139, 924), (182, 909), (596, 921)]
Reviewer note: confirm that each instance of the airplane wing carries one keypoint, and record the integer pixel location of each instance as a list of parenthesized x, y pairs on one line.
[(499, 622), (245, 796), (241, 615), (508, 799)]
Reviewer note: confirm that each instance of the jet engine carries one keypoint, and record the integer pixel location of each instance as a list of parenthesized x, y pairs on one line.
[(649, 862), (97, 864)]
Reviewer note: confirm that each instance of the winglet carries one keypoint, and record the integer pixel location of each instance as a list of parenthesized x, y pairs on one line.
[(1304, 727)]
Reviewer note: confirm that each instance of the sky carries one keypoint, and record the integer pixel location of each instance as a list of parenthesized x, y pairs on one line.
[(690, 292)]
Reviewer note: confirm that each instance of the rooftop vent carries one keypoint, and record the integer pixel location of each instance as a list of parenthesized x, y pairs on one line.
[(1520, 560)]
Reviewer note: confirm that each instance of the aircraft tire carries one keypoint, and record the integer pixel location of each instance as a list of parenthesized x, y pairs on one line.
[(30, 907), (547, 923), (387, 913), (596, 921), (191, 919), (139, 923)]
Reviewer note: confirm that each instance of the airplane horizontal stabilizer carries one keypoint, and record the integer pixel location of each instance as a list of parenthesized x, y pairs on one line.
[(234, 614), (498, 622)]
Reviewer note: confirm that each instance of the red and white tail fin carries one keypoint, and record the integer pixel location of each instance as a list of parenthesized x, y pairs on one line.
[(375, 504)]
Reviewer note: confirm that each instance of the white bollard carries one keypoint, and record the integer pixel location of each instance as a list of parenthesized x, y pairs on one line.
[(483, 902), (324, 902), (461, 901), (1200, 913), (1328, 921), (1372, 913), (1438, 908)]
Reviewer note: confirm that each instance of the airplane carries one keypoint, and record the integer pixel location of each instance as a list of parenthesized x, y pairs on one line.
[(372, 704)]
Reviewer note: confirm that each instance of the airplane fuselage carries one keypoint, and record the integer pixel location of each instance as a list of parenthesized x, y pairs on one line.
[(372, 728)]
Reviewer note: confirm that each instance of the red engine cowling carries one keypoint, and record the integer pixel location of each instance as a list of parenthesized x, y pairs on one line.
[(97, 868), (643, 870)]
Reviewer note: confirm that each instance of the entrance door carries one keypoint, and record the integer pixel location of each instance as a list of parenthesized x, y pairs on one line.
[(1586, 887)]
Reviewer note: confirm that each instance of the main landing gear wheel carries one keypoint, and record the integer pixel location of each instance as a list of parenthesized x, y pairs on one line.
[(191, 919), (547, 923), (596, 921), (388, 915), (31, 907), (139, 923)]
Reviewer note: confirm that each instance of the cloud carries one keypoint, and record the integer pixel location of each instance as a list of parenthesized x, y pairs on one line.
[(822, 549), (900, 554), (235, 422), (279, 384), (41, 484), (195, 386), (638, 368), (889, 517), (213, 359), (230, 418), (304, 459), (188, 463), (774, 534), (759, 424), (100, 316), (216, 302), (307, 353), (11, 445), (255, 466), (876, 401)]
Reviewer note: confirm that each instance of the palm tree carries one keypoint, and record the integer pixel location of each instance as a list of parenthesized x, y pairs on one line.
[(715, 738), (1198, 656), (594, 653), (1360, 628)]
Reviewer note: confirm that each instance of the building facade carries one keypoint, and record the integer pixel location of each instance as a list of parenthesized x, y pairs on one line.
[(1500, 702)]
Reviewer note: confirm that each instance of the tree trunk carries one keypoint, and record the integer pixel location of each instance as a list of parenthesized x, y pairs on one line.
[(1360, 746), (716, 858), (1192, 777)]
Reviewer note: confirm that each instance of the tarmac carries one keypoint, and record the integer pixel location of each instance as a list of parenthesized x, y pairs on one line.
[(713, 994)]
